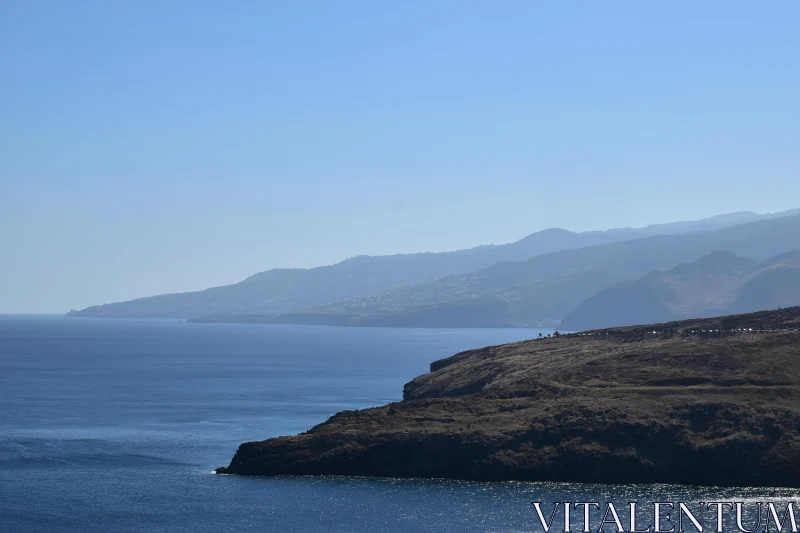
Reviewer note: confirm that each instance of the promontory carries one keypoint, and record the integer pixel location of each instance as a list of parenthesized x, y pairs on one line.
[(706, 402)]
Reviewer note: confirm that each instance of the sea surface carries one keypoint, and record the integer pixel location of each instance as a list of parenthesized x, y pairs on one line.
[(115, 426)]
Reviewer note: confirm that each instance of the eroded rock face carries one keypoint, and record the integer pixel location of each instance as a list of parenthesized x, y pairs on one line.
[(628, 407)]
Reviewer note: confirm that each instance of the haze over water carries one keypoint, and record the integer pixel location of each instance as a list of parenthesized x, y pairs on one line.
[(115, 425)]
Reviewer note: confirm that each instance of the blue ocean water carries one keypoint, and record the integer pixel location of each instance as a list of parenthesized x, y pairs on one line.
[(115, 426)]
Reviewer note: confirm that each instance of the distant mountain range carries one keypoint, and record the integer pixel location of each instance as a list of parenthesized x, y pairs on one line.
[(484, 286), (544, 289), (720, 283)]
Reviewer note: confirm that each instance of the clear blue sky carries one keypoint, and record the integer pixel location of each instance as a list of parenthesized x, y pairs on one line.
[(151, 146)]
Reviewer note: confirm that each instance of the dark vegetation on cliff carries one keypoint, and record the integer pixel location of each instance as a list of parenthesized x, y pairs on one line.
[(709, 401)]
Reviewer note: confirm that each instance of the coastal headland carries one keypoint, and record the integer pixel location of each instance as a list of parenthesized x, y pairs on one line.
[(706, 402)]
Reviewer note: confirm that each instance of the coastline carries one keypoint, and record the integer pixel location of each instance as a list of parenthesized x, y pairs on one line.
[(627, 407)]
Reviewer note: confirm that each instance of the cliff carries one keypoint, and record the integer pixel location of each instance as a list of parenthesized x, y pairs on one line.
[(699, 402)]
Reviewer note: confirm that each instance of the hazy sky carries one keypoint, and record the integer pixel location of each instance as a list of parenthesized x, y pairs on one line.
[(151, 146)]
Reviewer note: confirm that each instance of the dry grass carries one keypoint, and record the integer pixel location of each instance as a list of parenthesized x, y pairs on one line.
[(624, 407)]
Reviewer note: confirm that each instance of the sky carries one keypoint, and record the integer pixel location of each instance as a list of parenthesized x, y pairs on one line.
[(150, 147)]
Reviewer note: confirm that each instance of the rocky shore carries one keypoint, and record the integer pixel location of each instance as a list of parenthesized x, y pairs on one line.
[(705, 402)]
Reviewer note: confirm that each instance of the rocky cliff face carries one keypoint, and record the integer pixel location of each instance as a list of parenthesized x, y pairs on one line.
[(699, 402)]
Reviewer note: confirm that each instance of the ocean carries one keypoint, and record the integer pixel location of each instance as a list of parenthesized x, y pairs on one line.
[(116, 425)]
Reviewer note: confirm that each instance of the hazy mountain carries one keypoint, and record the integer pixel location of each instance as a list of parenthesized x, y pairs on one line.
[(717, 284), (776, 286), (281, 290), (544, 289)]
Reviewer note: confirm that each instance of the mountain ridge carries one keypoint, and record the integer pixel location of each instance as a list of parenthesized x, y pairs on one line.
[(541, 291), (716, 284), (294, 289)]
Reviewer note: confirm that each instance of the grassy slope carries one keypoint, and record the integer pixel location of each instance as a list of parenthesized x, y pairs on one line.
[(620, 405)]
